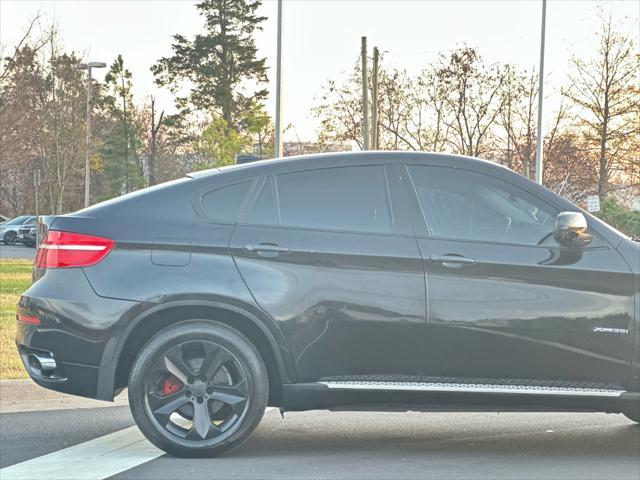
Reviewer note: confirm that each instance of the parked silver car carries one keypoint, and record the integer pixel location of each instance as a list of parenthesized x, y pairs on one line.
[(9, 229)]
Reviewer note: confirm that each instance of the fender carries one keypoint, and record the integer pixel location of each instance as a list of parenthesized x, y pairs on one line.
[(630, 251), (267, 326)]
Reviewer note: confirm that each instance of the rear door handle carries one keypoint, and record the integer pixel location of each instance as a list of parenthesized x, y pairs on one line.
[(452, 260), (267, 249)]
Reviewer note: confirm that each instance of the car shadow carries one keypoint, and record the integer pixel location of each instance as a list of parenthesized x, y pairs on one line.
[(416, 434)]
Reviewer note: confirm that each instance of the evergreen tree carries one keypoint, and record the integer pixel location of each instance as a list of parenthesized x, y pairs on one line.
[(218, 62), (120, 167)]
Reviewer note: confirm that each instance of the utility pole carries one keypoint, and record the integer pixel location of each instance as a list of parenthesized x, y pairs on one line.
[(509, 158), (36, 187), (87, 158), (278, 126), (365, 96), (374, 100), (540, 136), (126, 134), (155, 128)]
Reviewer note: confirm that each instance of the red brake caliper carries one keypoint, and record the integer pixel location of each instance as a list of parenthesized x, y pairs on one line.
[(171, 384)]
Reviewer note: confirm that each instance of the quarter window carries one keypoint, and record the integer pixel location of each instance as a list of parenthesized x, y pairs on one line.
[(223, 205), (460, 204), (342, 198)]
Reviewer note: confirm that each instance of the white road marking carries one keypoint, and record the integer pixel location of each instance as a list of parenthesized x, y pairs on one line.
[(93, 460), (96, 459)]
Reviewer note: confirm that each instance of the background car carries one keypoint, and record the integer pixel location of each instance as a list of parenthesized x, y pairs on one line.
[(27, 234), (9, 229)]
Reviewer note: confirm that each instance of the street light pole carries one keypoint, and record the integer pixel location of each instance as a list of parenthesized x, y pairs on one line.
[(278, 126), (87, 158), (540, 136)]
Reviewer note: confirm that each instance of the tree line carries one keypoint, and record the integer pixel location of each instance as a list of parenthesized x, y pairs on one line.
[(134, 144), (462, 105), (458, 104)]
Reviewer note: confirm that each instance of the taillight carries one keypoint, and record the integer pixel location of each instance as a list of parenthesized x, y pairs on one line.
[(28, 319), (68, 249)]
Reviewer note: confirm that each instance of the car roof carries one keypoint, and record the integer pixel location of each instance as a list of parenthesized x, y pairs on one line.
[(319, 159)]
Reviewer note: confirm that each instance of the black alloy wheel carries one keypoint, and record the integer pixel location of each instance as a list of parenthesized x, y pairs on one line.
[(211, 396), (198, 389), (10, 238)]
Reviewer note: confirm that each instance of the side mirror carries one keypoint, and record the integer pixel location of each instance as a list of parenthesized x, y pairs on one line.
[(571, 230)]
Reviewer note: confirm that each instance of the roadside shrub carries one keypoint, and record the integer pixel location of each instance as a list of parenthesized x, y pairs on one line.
[(625, 220)]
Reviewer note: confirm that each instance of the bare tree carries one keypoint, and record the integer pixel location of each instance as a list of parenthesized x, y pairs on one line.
[(605, 90), (7, 63), (473, 100), (518, 119), (411, 111), (61, 140), (397, 110), (340, 111), (20, 84)]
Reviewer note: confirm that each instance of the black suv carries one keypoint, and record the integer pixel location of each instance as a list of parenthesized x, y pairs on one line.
[(343, 281)]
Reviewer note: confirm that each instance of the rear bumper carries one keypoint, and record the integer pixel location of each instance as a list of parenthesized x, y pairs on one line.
[(67, 377), (78, 331)]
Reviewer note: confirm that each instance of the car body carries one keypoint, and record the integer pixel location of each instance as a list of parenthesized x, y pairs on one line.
[(377, 280), (27, 234), (9, 229)]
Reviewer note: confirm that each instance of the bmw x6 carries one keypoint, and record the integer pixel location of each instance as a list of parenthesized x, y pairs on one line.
[(374, 280)]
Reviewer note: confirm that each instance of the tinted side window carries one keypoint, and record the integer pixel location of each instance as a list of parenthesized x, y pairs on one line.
[(343, 198), (466, 205), (263, 211), (222, 205)]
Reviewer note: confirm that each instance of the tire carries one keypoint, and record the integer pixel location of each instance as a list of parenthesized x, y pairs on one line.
[(10, 238), (224, 389)]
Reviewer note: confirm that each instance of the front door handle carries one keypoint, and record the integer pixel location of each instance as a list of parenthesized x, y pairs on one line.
[(452, 260), (267, 249)]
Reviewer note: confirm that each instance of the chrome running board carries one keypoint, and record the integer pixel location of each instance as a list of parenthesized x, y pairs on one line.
[(473, 388)]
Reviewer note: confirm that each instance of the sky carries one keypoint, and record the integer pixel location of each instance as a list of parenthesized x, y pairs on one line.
[(321, 38)]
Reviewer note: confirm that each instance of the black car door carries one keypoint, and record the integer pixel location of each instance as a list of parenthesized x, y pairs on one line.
[(329, 254), (505, 300)]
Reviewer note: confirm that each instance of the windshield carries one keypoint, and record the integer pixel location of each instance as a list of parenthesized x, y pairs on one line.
[(18, 220)]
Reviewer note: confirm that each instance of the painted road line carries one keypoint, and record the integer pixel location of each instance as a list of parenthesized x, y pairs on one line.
[(93, 460)]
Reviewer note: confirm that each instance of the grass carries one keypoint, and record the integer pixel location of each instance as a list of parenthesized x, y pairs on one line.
[(15, 278)]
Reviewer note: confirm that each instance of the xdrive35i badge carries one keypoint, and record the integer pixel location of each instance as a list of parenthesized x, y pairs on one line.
[(609, 330)]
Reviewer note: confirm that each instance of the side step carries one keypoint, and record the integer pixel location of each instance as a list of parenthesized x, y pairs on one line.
[(473, 388)]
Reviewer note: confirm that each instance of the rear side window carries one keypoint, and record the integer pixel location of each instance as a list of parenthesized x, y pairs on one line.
[(223, 205), (342, 198)]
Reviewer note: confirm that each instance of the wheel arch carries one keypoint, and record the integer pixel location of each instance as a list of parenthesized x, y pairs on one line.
[(117, 366)]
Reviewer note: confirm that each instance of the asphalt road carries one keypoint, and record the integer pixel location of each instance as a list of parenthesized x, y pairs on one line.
[(28, 435), (321, 444), (17, 251)]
